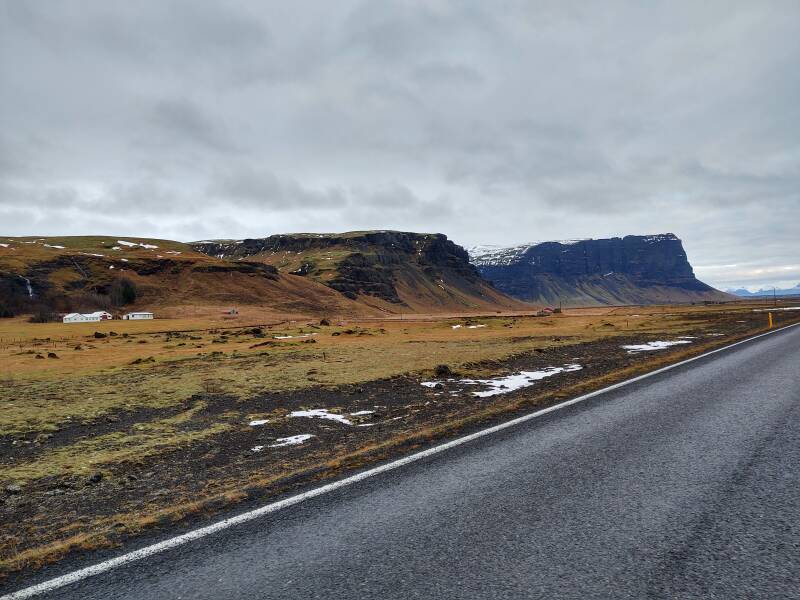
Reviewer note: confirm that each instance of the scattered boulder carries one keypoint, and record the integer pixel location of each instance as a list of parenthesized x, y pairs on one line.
[(443, 371), (39, 356), (96, 477), (52, 355), (99, 336), (13, 489), (324, 322)]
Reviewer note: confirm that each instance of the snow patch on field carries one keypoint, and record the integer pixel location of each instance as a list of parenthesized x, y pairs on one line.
[(509, 383), (53, 246), (321, 413), (652, 346), (775, 309), (3, 245), (292, 440), (290, 337), (258, 422), (361, 412)]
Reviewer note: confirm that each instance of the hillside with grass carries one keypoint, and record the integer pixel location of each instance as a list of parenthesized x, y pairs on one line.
[(392, 271), (46, 275)]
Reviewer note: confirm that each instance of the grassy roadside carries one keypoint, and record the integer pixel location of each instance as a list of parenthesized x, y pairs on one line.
[(222, 494)]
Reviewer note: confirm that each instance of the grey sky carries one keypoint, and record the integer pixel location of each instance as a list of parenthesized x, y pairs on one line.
[(492, 122)]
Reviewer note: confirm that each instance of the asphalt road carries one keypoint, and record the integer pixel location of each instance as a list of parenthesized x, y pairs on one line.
[(685, 485)]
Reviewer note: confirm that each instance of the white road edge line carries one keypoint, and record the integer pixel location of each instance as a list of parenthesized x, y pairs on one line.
[(185, 538)]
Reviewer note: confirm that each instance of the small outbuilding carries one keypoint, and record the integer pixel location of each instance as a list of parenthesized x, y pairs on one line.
[(137, 316), (99, 315)]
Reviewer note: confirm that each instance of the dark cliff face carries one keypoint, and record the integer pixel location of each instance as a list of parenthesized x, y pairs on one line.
[(368, 263), (630, 270)]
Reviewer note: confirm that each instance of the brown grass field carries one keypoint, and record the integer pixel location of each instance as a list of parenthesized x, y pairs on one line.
[(146, 423)]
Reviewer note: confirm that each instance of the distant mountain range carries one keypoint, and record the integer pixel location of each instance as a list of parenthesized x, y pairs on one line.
[(795, 291), (361, 272), (635, 269)]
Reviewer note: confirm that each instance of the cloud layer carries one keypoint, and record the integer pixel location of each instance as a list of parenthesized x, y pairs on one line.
[(490, 122)]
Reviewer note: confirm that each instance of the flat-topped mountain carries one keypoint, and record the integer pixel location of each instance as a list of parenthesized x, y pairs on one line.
[(388, 270), (635, 269)]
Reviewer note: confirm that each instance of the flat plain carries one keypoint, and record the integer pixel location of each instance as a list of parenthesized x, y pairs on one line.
[(112, 429)]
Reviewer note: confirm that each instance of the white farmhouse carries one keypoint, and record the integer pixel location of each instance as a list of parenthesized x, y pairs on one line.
[(137, 316), (99, 315)]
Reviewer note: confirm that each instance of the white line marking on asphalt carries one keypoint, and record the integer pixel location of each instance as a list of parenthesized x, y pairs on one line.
[(185, 538)]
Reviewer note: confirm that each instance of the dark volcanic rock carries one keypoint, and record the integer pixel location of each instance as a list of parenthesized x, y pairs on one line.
[(631, 270), (375, 262)]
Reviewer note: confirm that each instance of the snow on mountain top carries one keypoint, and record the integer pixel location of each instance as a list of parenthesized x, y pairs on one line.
[(506, 255), (500, 255)]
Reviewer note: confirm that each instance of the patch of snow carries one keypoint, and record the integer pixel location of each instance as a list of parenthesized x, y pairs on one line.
[(135, 244), (172, 252), (292, 440), (321, 413), (662, 237), (111, 267), (124, 259), (773, 310), (116, 248), (361, 412), (258, 422), (256, 448), (499, 255), (90, 254), (457, 326), (652, 346), (4, 245), (53, 246), (290, 337), (509, 383), (475, 326)]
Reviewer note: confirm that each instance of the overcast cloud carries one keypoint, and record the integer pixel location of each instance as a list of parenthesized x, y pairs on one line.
[(492, 122)]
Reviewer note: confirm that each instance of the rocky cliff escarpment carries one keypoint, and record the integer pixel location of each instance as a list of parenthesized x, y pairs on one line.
[(413, 270), (634, 269)]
